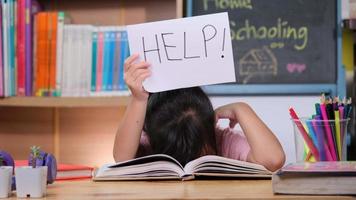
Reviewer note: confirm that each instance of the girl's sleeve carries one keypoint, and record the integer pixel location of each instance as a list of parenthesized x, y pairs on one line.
[(232, 144)]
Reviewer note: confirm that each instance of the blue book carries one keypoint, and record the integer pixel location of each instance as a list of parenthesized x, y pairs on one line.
[(106, 60), (112, 36), (124, 54), (94, 60), (117, 56), (11, 48), (5, 39)]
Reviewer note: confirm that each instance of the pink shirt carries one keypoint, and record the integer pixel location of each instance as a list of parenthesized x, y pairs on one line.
[(230, 144)]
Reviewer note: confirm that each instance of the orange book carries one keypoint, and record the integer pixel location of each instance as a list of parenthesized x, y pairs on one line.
[(52, 28), (42, 53)]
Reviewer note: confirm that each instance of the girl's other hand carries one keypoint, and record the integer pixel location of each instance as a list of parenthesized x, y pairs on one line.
[(134, 74), (227, 112)]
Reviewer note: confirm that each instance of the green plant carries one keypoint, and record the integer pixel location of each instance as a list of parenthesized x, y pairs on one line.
[(35, 155)]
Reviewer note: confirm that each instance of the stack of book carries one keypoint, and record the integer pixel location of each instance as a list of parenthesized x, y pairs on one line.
[(66, 171), (318, 178), (42, 54)]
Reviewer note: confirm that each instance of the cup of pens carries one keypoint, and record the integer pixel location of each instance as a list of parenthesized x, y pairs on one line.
[(322, 137), (326, 139)]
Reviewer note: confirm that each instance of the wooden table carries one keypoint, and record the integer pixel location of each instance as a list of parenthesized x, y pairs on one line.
[(197, 189)]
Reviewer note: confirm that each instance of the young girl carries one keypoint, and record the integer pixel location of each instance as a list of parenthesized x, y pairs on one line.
[(182, 123)]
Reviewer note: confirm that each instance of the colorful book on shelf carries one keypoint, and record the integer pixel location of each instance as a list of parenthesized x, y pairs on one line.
[(5, 43), (41, 50), (117, 52), (124, 55), (94, 57), (12, 47), (66, 171), (112, 43), (327, 178), (99, 69), (31, 8), (59, 52), (106, 60), (160, 166), (53, 24), (20, 47), (1, 57)]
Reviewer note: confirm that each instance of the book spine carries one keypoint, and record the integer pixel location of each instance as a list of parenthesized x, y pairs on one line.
[(106, 60), (124, 55), (1, 56), (28, 47), (117, 58), (20, 48), (94, 59), (42, 54), (12, 50), (74, 61), (88, 62), (34, 54), (31, 8), (66, 41), (5, 10), (53, 52), (59, 53), (82, 75), (111, 59), (71, 60), (99, 74)]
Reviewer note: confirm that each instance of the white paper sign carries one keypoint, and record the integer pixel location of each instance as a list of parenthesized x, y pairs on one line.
[(185, 52)]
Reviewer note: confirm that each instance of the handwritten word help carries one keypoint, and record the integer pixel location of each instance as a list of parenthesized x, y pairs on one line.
[(208, 33), (185, 52)]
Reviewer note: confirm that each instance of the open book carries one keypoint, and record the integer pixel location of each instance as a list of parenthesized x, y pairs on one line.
[(160, 166)]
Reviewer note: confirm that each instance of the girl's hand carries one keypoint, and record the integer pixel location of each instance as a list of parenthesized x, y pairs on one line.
[(227, 112), (134, 74)]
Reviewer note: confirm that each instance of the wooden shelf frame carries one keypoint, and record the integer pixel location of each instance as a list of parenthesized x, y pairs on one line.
[(65, 101), (88, 124)]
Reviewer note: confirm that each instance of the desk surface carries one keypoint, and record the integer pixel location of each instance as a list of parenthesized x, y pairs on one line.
[(198, 189)]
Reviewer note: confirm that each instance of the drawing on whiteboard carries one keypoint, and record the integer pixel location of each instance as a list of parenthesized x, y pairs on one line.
[(257, 62)]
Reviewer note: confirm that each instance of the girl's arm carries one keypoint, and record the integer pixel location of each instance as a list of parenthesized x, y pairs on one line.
[(129, 133), (265, 147)]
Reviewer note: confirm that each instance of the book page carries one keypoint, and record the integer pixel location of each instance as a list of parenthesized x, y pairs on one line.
[(147, 159), (144, 167), (215, 164)]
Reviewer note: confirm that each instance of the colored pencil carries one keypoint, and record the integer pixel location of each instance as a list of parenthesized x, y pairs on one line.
[(304, 133)]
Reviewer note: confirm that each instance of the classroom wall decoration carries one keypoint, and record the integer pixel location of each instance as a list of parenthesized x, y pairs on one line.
[(280, 41)]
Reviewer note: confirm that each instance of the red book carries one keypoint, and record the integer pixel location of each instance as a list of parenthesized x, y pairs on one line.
[(66, 171), (20, 35), (71, 172)]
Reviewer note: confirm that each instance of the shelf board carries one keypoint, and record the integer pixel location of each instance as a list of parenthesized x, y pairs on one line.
[(65, 101)]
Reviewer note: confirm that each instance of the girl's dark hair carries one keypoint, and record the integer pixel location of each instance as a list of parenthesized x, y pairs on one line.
[(181, 123)]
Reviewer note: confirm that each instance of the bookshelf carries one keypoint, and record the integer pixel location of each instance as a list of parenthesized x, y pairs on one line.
[(78, 130)]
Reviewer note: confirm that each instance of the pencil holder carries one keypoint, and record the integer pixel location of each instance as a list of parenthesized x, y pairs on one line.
[(320, 140)]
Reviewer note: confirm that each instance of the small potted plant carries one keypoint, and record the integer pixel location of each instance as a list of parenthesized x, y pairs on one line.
[(5, 178), (31, 181)]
